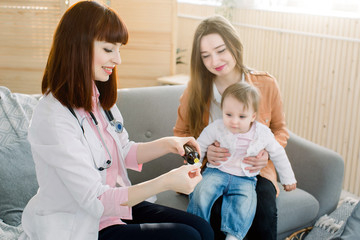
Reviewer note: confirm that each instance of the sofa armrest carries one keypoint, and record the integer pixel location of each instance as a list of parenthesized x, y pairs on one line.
[(318, 170)]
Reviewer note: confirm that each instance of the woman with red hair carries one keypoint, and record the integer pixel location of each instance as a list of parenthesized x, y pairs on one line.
[(81, 152)]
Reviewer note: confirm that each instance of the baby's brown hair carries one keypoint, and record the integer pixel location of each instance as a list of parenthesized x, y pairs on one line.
[(244, 93)]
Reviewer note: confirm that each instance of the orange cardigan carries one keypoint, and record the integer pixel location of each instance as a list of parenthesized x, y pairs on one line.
[(270, 113)]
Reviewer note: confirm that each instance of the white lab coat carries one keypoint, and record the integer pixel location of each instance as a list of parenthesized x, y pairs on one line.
[(67, 205)]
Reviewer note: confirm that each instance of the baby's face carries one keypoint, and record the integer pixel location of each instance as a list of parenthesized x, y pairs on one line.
[(236, 117)]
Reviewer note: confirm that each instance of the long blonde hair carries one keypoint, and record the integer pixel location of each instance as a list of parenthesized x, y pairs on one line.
[(201, 80)]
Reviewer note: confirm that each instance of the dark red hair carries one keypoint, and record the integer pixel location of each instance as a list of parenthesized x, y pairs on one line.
[(69, 71)]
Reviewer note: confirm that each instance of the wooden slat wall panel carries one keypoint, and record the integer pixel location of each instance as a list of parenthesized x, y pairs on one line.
[(316, 60), (26, 29), (151, 50)]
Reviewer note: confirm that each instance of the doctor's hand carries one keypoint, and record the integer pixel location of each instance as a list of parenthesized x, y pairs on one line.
[(183, 179), (216, 154), (258, 162), (148, 151), (177, 144)]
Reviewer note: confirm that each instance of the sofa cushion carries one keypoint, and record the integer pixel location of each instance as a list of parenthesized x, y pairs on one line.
[(15, 113), (295, 203), (173, 199), (17, 180), (8, 232), (298, 203)]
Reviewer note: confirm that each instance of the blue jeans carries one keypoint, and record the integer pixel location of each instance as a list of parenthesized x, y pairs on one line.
[(239, 200)]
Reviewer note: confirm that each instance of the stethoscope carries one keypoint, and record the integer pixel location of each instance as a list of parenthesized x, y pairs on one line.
[(115, 123)]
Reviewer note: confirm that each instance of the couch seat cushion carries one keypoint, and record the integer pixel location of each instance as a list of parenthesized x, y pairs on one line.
[(173, 199), (297, 203)]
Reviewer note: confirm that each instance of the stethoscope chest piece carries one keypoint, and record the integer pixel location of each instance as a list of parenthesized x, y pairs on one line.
[(118, 126), (115, 123)]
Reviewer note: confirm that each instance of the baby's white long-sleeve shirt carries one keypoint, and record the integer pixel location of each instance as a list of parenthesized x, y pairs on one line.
[(262, 138)]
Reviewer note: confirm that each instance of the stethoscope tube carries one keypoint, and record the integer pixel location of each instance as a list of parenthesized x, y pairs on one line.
[(109, 161), (116, 124)]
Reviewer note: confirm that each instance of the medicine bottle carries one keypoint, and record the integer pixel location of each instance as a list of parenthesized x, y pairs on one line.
[(191, 155)]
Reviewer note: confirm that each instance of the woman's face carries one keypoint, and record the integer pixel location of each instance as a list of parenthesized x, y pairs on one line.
[(106, 57), (215, 55)]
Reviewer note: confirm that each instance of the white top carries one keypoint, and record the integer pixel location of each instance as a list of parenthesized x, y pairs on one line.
[(215, 105)]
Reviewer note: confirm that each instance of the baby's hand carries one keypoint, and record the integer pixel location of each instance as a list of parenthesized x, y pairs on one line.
[(290, 187)]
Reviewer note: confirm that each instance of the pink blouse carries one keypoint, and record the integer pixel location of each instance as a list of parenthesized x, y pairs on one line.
[(114, 196)]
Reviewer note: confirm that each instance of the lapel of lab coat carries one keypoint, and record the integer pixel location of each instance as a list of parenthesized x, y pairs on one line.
[(95, 146), (121, 163)]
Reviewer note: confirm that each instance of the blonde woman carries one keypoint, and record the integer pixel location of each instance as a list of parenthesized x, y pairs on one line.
[(216, 63)]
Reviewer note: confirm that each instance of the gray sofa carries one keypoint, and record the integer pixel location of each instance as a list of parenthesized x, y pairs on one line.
[(150, 113)]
